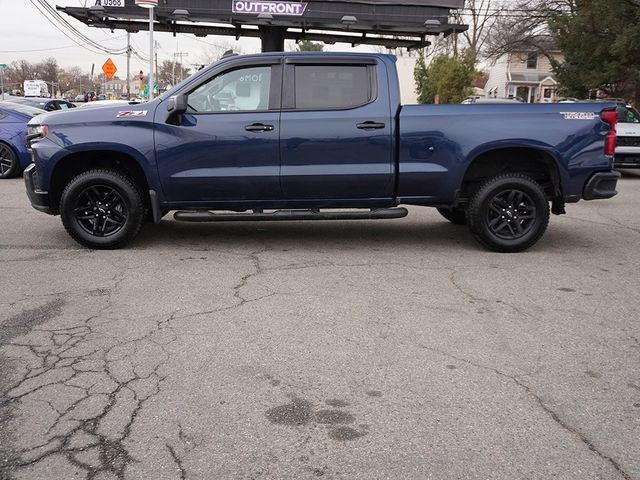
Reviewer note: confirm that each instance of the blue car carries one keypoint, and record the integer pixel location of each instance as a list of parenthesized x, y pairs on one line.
[(48, 104), (14, 156)]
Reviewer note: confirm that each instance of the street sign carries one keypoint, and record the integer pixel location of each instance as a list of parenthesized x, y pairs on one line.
[(109, 69), (110, 3)]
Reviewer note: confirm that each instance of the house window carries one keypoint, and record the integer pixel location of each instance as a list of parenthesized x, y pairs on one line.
[(532, 60)]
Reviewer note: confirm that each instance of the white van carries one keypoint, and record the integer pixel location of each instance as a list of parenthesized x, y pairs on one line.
[(36, 88), (628, 141)]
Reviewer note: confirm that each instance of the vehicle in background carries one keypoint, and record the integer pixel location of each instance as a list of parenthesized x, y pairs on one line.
[(106, 103), (79, 98), (484, 100), (317, 136), (628, 130), (14, 156), (48, 104), (36, 88)]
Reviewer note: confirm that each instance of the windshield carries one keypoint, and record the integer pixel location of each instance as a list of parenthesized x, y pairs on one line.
[(23, 109), (628, 114), (169, 92)]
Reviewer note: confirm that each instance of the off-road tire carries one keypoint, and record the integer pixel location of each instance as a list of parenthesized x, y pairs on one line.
[(508, 213), (107, 197)]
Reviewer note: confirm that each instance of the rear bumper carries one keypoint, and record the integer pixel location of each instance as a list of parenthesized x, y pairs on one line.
[(601, 185), (39, 199)]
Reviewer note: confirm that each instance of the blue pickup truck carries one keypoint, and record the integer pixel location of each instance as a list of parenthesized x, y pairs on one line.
[(316, 136)]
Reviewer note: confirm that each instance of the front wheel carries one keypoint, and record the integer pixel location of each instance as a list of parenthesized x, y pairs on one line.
[(508, 213), (102, 209)]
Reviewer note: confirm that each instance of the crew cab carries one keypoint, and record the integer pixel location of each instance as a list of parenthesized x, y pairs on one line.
[(316, 136)]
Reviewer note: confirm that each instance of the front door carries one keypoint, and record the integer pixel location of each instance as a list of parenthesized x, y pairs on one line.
[(226, 146)]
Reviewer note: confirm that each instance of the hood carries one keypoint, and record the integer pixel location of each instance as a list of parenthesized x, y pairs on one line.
[(101, 114)]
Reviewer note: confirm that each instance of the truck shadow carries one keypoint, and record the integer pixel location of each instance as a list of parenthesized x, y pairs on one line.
[(376, 235), (311, 235)]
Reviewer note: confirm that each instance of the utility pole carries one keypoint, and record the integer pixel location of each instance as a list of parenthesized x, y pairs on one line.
[(128, 66), (156, 74), (176, 55)]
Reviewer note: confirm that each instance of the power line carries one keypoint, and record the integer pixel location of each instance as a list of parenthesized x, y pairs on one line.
[(49, 49)]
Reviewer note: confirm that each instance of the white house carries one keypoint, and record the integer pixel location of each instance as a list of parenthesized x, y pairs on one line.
[(525, 73)]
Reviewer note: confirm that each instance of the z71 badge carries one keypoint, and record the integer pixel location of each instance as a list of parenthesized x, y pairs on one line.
[(132, 113), (578, 115)]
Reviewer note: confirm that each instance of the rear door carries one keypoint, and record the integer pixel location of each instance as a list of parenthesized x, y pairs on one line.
[(335, 129)]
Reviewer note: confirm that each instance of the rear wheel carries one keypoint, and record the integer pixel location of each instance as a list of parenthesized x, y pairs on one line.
[(9, 164), (102, 209), (454, 215), (508, 213)]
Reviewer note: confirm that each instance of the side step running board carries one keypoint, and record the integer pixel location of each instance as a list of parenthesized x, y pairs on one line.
[(207, 216)]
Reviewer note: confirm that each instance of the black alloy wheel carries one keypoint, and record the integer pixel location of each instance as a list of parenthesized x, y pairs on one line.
[(102, 209), (508, 213), (511, 214), (8, 161)]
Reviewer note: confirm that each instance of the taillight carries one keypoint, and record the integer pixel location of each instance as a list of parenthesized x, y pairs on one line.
[(611, 118)]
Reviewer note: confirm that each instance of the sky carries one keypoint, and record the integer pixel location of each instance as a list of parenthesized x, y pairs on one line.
[(25, 33)]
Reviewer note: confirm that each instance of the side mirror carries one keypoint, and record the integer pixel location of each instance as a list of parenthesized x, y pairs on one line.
[(177, 103)]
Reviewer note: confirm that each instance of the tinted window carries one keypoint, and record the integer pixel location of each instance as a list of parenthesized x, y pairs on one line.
[(320, 87), (242, 90)]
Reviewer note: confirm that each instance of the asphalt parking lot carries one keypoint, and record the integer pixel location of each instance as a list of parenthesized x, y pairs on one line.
[(347, 350)]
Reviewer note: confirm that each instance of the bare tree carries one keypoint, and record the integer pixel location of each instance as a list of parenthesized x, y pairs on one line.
[(525, 24), (482, 16)]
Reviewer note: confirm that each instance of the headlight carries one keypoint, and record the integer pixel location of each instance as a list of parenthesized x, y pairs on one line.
[(37, 131)]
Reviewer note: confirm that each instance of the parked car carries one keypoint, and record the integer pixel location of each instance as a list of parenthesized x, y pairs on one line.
[(477, 100), (312, 133), (104, 103), (628, 129), (79, 98), (48, 104), (14, 156)]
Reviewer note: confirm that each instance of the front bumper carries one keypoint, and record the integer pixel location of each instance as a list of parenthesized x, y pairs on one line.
[(39, 199), (601, 185)]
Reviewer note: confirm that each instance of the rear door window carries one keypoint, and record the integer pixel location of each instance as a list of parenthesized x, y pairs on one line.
[(326, 87)]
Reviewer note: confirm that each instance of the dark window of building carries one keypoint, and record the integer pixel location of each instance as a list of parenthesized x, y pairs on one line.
[(532, 60)]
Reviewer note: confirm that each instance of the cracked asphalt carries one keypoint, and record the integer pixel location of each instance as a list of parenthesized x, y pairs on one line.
[(345, 350)]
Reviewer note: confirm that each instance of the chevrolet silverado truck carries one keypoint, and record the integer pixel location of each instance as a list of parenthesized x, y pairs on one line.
[(316, 136)]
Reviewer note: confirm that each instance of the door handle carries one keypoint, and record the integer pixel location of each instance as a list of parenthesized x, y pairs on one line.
[(258, 127), (369, 125)]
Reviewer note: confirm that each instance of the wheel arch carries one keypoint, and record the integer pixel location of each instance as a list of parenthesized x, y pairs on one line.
[(77, 162), (536, 162)]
